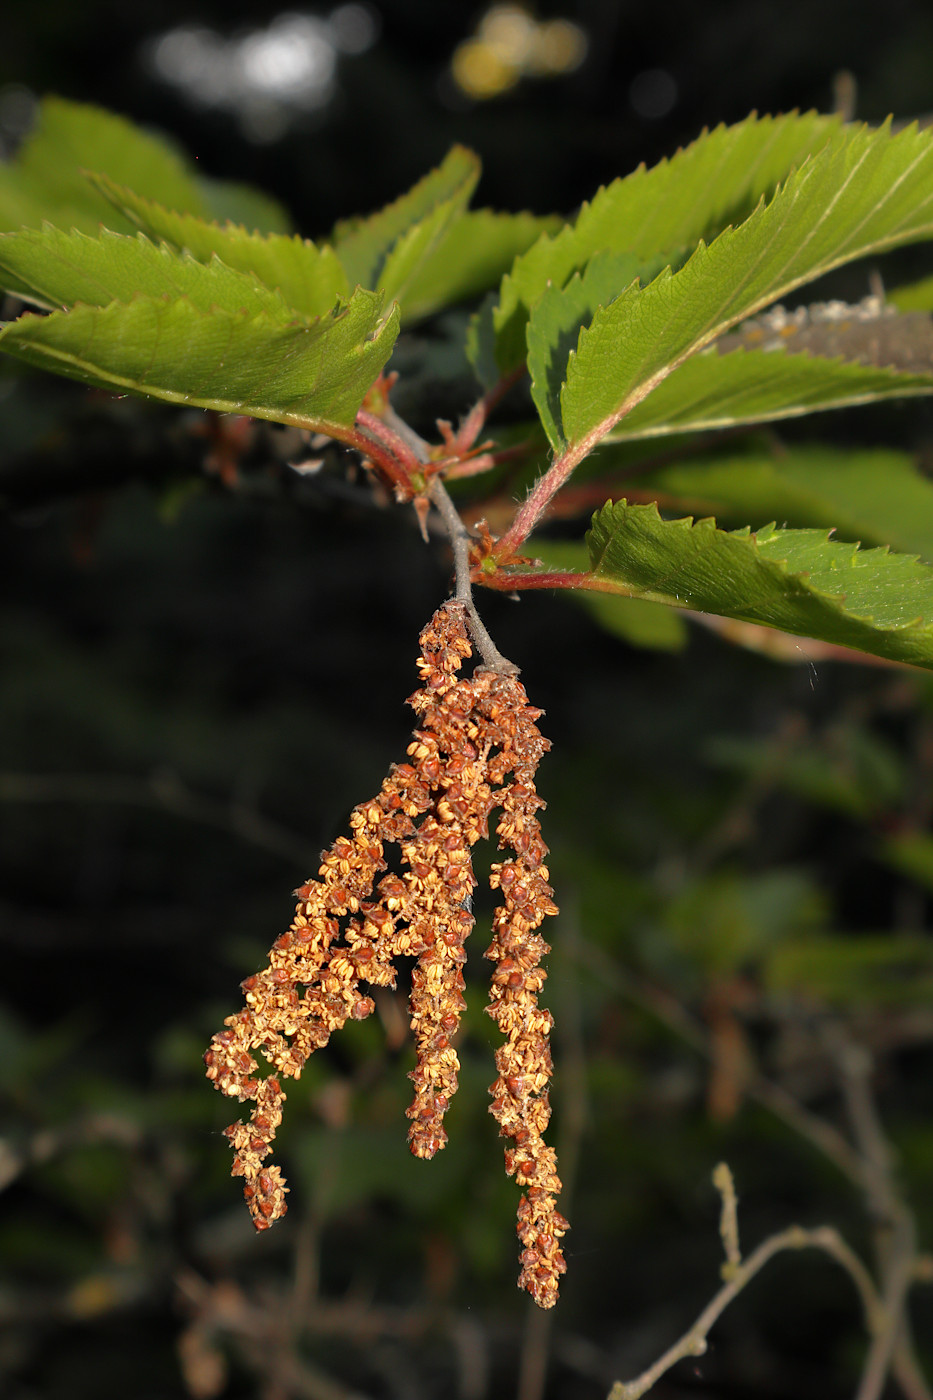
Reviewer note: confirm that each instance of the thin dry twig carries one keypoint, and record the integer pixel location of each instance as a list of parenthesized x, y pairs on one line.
[(694, 1341), (869, 1167), (895, 1234)]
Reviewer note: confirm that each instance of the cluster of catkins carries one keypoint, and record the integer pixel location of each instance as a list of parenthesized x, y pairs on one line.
[(476, 749)]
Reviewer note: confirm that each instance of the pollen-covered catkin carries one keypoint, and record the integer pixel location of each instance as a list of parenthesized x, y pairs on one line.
[(440, 882), (520, 1093), (476, 749)]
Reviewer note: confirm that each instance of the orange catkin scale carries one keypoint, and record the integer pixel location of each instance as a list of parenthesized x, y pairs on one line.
[(476, 749)]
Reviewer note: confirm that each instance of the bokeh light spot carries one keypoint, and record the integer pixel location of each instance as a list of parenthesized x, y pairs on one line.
[(653, 93), (510, 44), (267, 77)]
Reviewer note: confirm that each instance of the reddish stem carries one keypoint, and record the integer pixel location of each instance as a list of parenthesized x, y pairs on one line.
[(369, 447), (473, 466), (575, 499), (538, 498), (513, 583), (472, 425), (392, 441)]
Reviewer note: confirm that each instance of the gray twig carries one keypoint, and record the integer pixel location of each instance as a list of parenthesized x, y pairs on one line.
[(460, 541), (694, 1340), (895, 1234)]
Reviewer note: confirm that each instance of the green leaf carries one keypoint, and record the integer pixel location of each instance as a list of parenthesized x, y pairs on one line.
[(847, 769), (311, 374), (884, 969), (480, 344), (910, 852), (913, 296), (865, 192), (310, 279), (718, 179), (46, 180), (55, 269), (470, 259), (388, 249), (796, 580), (724, 923), (555, 323), (875, 496), (229, 201), (844, 362)]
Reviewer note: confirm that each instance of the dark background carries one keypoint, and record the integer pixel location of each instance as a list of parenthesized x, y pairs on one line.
[(202, 674)]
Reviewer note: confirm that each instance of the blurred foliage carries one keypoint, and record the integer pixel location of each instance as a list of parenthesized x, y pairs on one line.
[(721, 831), (203, 671)]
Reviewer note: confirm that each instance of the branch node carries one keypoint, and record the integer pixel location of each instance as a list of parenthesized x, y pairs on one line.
[(461, 540)]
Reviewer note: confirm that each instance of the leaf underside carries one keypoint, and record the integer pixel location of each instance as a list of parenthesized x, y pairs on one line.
[(556, 321)]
